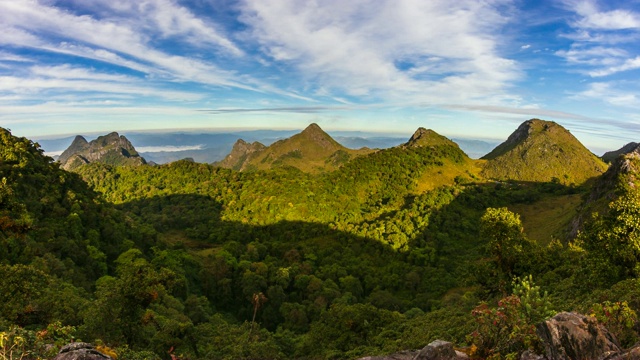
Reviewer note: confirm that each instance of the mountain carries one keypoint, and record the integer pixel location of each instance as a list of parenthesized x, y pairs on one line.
[(111, 149), (424, 137), (454, 163), (542, 151), (610, 156), (312, 150), (239, 154)]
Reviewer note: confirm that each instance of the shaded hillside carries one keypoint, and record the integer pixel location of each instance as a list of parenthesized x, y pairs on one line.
[(312, 151), (542, 151), (50, 217), (111, 149), (623, 174), (629, 148)]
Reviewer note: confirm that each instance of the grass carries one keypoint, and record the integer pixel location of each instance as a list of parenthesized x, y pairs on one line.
[(549, 217), (446, 174)]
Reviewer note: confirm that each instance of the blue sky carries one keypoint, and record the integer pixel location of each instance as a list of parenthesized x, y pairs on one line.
[(463, 68)]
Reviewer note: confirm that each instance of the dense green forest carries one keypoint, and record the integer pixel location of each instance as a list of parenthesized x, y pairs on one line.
[(200, 262)]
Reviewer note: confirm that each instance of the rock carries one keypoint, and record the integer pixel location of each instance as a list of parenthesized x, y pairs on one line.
[(630, 354), (402, 355), (576, 337), (439, 350), (530, 355), (80, 351)]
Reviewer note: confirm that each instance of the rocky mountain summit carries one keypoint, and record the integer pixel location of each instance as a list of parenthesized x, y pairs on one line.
[(112, 149)]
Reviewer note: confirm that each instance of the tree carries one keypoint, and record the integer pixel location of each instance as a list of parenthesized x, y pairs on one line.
[(506, 240), (612, 240)]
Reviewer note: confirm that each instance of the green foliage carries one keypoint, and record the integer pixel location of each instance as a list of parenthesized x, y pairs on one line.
[(506, 242), (618, 318), (508, 330), (359, 261), (20, 343)]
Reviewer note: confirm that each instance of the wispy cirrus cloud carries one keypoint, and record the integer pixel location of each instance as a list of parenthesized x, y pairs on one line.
[(610, 93), (123, 41), (596, 31), (388, 50)]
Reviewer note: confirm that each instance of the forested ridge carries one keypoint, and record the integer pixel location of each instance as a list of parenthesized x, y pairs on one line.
[(199, 262)]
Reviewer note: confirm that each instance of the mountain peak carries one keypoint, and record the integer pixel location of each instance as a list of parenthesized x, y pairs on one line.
[(631, 147), (427, 137), (111, 149), (542, 150), (311, 150), (524, 132), (78, 144)]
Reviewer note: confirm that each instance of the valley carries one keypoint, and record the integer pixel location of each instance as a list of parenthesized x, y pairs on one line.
[(304, 248)]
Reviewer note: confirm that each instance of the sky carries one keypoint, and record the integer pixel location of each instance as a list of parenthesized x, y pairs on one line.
[(464, 68)]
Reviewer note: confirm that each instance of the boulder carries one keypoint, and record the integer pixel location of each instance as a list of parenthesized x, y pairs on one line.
[(572, 336), (80, 351), (530, 355), (440, 350), (402, 355)]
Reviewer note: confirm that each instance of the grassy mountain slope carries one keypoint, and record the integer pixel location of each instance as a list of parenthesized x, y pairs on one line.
[(542, 151), (458, 167), (311, 151)]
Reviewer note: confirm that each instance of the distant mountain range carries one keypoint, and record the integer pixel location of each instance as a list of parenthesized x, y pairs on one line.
[(167, 147), (537, 150)]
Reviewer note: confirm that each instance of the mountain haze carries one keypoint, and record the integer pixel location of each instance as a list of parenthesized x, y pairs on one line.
[(542, 151)]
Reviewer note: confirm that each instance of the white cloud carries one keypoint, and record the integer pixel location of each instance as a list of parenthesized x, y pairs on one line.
[(593, 18), (525, 47), (33, 24), (356, 47), (149, 149), (609, 93), (596, 32), (629, 64)]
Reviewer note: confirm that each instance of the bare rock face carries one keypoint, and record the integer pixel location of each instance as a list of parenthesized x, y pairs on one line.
[(440, 350), (111, 149), (573, 336), (80, 351)]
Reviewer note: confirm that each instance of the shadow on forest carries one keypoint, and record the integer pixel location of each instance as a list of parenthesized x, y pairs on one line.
[(441, 255)]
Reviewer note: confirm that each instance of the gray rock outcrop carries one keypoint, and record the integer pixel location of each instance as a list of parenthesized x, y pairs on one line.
[(440, 350), (573, 336), (80, 351)]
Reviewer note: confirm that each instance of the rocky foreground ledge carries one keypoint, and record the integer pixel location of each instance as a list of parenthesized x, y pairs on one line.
[(566, 336)]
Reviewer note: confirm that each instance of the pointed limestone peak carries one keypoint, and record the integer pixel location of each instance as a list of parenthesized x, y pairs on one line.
[(79, 140), (631, 147), (78, 144), (240, 153), (427, 137), (111, 149)]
